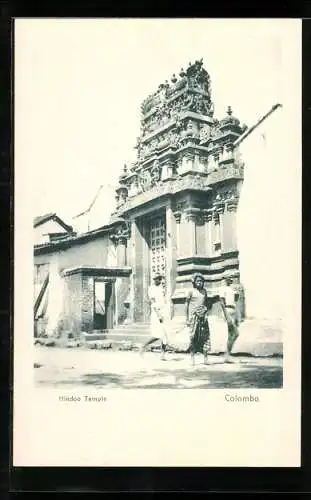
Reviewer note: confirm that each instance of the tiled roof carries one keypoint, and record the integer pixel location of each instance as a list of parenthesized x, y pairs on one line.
[(72, 239), (40, 219)]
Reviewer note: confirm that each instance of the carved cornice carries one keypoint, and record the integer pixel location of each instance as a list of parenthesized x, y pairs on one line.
[(147, 186), (168, 187), (223, 174)]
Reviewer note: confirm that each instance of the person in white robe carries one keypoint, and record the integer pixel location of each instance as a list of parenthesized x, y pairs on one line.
[(158, 316)]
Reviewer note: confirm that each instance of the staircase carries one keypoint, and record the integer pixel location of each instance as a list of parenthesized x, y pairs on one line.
[(134, 334)]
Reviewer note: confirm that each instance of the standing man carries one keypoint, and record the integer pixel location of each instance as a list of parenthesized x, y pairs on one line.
[(158, 315), (229, 297)]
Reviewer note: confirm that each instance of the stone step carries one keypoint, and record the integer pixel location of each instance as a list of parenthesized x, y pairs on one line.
[(138, 338), (139, 326), (136, 331), (255, 339), (132, 334)]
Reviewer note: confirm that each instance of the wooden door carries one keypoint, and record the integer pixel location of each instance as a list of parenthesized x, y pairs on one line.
[(103, 305), (110, 304)]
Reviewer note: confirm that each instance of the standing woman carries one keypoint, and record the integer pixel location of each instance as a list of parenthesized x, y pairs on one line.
[(197, 306)]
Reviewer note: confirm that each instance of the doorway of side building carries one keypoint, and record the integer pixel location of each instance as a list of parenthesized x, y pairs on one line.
[(103, 304)]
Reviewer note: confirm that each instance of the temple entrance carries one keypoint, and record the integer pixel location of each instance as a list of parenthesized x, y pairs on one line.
[(157, 245), (103, 305), (150, 258)]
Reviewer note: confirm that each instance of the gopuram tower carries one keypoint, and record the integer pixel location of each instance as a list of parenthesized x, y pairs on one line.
[(176, 204)]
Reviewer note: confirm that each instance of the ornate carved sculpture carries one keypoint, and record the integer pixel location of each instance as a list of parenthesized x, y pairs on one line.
[(197, 76), (146, 179), (167, 101), (177, 129), (204, 134), (122, 233), (173, 139), (155, 174)]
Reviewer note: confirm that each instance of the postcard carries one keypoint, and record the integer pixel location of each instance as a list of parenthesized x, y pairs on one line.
[(157, 288)]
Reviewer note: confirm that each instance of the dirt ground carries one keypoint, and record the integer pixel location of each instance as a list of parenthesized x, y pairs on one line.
[(74, 368)]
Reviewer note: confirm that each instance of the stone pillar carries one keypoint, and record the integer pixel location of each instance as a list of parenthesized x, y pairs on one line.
[(208, 219), (121, 243), (229, 227), (87, 303), (218, 212), (187, 234), (171, 252), (120, 238), (228, 152), (200, 234), (177, 216), (218, 155), (145, 259), (167, 169), (211, 165), (140, 272), (132, 258), (123, 304), (187, 162), (78, 303)]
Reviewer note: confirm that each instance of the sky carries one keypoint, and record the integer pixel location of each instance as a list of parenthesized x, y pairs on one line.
[(79, 85)]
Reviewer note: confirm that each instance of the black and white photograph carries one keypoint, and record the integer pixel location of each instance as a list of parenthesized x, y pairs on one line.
[(161, 159)]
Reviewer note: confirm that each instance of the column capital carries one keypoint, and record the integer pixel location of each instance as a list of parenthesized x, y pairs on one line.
[(119, 240), (121, 234), (229, 146), (193, 214), (189, 154), (208, 214), (177, 216), (232, 205), (219, 207)]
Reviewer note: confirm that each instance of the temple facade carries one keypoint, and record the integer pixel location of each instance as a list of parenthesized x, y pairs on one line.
[(177, 203), (175, 214)]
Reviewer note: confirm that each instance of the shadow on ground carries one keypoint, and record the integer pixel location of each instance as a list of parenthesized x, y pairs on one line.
[(247, 376)]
